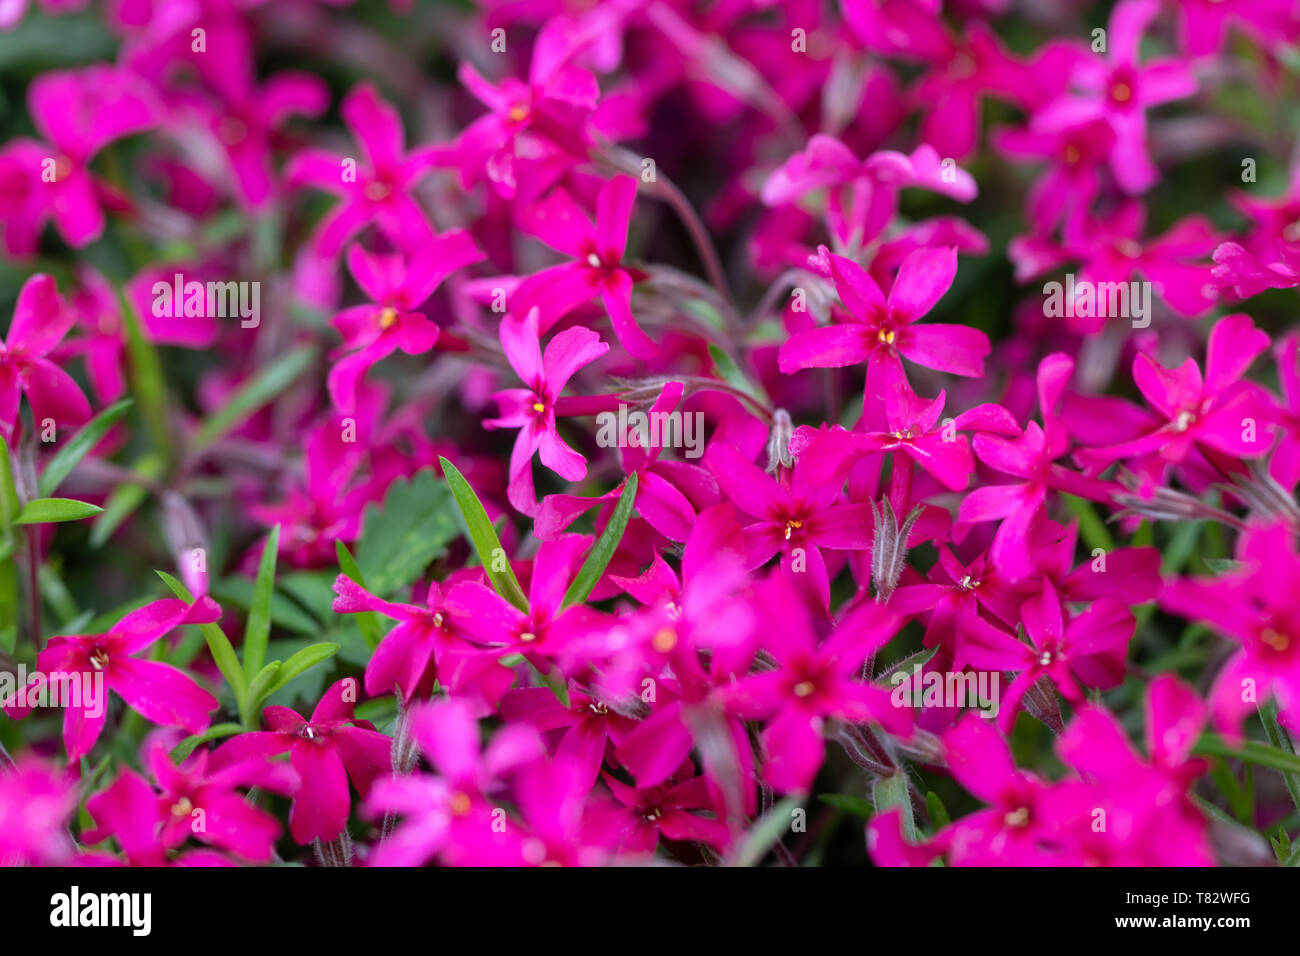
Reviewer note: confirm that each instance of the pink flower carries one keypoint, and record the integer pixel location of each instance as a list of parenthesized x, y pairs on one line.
[(532, 409), (41, 319), (158, 692), (1251, 605), (397, 288), (78, 113), (193, 801), (597, 268), (325, 752), (1120, 90), (815, 679), (425, 644), (881, 330), (454, 815), (36, 802), (1088, 647)]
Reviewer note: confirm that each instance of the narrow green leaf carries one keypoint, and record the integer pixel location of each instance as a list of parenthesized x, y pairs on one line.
[(603, 550), (938, 812), (147, 382), (193, 742), (260, 687), (895, 791), (485, 539), (8, 605), (1250, 751), (1092, 529), (1279, 738), (367, 621), (305, 659), (858, 806), (52, 510), (767, 830), (223, 652), (67, 457), (254, 394), (258, 627), (733, 376), (9, 504)]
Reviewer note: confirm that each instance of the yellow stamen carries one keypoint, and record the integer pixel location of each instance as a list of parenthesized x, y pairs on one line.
[(886, 337), (804, 689), (1275, 639), (664, 641), (387, 317)]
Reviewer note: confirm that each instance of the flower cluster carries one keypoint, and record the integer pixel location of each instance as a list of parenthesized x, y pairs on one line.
[(651, 431)]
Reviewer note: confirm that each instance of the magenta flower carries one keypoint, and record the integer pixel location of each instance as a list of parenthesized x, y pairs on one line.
[(325, 752), (397, 288), (159, 692), (36, 802), (423, 646), (193, 802), (644, 815), (1252, 606), (815, 679), (1150, 818), (374, 189), (41, 319), (881, 329), (589, 724), (451, 816), (1218, 411), (1089, 647), (597, 268), (530, 122), (799, 514), (1120, 90), (543, 632), (78, 113), (532, 409)]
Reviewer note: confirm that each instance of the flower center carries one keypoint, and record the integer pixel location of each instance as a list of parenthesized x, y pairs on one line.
[(99, 659), (1017, 818), (387, 317), (182, 807), (518, 112), (1121, 92), (527, 637), (791, 527), (1072, 154), (967, 583), (665, 640), (460, 803), (597, 708), (804, 688), (1184, 421), (1045, 658), (376, 191), (1275, 639), (886, 336)]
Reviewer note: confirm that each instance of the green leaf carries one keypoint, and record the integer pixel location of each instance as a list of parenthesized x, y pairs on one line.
[(485, 539), (9, 503), (192, 743), (858, 806), (766, 831), (1092, 529), (67, 457), (603, 550), (895, 791), (8, 605), (219, 646), (147, 382), (253, 395), (409, 530), (367, 621), (258, 627), (305, 659), (1250, 751), (52, 510), (733, 376), (261, 686), (938, 812)]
